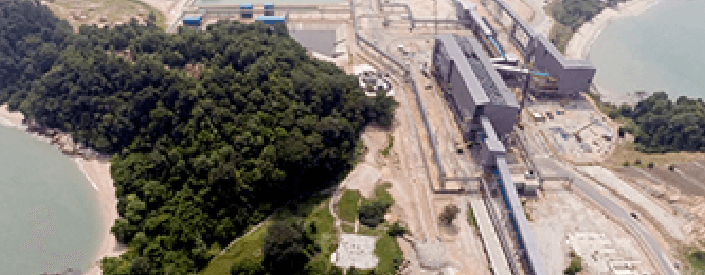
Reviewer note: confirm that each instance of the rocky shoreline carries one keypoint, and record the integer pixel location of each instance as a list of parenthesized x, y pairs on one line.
[(63, 141)]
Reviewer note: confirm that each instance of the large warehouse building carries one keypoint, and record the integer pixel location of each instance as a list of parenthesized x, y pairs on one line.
[(474, 88)]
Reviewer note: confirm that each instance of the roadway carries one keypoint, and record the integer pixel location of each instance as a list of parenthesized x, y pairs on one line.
[(617, 212)]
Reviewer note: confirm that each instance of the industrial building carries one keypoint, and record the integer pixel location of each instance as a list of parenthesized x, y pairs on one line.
[(558, 76), (473, 87)]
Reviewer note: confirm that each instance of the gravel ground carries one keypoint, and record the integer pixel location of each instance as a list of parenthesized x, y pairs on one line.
[(559, 214)]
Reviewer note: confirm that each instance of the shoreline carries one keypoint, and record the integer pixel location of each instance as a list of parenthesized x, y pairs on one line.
[(580, 44), (97, 172)]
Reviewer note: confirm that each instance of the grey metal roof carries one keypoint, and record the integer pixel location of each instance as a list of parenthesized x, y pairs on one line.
[(522, 24), (456, 54), (491, 140), (565, 63), (532, 250), (484, 70)]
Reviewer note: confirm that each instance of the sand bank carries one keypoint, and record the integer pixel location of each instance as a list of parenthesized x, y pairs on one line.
[(579, 46), (98, 174)]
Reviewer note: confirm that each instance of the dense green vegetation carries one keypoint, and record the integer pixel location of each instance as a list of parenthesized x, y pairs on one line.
[(304, 226), (371, 212), (660, 125), (347, 206), (570, 15), (197, 157)]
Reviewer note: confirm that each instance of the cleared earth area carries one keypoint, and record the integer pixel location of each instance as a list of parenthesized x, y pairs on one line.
[(560, 215), (105, 13), (686, 177)]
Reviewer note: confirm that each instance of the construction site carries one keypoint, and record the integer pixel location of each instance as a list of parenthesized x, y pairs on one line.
[(492, 118)]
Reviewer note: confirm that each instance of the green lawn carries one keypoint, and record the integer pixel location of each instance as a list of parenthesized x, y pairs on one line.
[(347, 206), (347, 228), (387, 250), (382, 194), (369, 231), (246, 248)]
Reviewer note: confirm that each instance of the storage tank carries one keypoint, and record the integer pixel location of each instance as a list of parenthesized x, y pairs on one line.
[(268, 9), (271, 19), (246, 10), (194, 20)]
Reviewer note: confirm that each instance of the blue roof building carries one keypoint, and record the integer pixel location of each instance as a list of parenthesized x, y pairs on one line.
[(271, 19), (194, 20)]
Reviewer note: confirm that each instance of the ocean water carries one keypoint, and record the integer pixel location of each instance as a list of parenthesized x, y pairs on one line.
[(49, 218), (660, 50)]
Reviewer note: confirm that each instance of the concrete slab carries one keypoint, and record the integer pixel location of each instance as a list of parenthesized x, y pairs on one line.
[(321, 41), (356, 250)]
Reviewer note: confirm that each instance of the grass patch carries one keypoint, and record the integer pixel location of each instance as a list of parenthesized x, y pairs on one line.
[(626, 153), (389, 253), (247, 248), (390, 143), (381, 193), (696, 260), (314, 210), (326, 236), (347, 207), (523, 205), (471, 218), (575, 265), (371, 231), (347, 228)]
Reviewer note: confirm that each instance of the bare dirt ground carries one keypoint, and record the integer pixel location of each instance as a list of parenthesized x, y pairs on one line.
[(577, 133), (106, 12), (678, 190), (425, 9), (558, 214)]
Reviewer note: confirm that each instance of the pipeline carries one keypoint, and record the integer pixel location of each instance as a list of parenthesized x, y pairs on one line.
[(407, 74), (499, 50)]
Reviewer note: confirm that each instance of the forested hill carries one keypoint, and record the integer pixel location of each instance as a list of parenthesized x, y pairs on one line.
[(197, 158), (660, 125)]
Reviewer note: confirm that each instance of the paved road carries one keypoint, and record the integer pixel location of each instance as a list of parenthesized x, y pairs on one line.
[(621, 215)]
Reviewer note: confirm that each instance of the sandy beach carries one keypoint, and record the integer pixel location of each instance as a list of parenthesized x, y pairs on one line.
[(98, 174), (579, 46)]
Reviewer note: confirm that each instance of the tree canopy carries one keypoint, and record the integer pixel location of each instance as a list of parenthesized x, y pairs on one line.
[(196, 157), (661, 125)]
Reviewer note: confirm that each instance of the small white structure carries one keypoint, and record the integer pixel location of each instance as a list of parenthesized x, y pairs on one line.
[(356, 250), (538, 117), (369, 77)]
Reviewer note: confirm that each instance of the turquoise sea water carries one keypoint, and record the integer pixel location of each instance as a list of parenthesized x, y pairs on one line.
[(49, 218), (660, 50)]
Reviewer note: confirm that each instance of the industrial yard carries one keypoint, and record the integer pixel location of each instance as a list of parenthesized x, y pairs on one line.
[(492, 119)]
